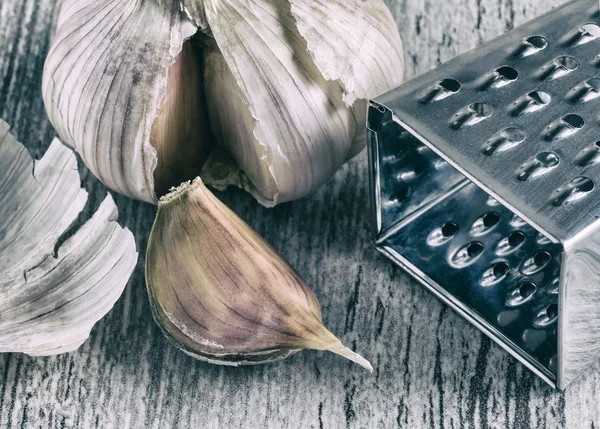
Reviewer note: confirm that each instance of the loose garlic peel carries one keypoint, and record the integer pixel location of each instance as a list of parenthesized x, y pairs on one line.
[(285, 88), (50, 300), (221, 293)]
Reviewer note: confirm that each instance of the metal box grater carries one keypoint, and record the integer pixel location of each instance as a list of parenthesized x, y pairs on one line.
[(484, 178)]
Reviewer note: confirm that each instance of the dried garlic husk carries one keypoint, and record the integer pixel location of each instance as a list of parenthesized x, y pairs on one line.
[(51, 298), (221, 293), (285, 88)]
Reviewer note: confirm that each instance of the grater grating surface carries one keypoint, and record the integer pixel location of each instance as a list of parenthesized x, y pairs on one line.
[(484, 177)]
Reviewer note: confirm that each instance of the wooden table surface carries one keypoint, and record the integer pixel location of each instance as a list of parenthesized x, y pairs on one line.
[(432, 369)]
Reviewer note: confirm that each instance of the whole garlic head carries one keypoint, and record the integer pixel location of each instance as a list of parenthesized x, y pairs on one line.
[(281, 84)]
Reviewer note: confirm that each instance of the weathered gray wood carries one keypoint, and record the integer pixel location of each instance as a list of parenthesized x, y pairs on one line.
[(431, 368)]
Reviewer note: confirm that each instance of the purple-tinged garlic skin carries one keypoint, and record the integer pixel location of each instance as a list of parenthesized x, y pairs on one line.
[(221, 293)]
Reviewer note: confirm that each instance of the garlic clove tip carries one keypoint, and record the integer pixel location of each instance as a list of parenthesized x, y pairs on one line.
[(340, 349)]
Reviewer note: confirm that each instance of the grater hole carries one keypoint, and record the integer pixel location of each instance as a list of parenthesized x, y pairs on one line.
[(540, 164), (501, 269), (467, 254), (540, 97), (586, 185), (547, 159), (450, 85), (490, 219), (592, 29), (514, 135), (536, 263), (552, 311), (485, 223), (567, 63), (521, 294), (530, 102), (546, 316), (481, 109), (541, 259), (474, 249), (554, 286), (495, 273), (511, 243), (585, 91), (532, 45), (588, 156), (442, 234), (449, 229), (527, 289), (516, 238), (584, 34), (471, 115), (538, 42), (440, 90), (508, 73), (575, 190), (574, 121), (504, 140), (564, 127), (558, 67), (500, 77)]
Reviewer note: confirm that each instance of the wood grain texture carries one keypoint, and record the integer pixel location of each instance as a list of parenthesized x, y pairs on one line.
[(432, 369)]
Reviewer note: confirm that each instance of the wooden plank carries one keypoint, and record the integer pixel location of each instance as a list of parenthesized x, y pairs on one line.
[(431, 368)]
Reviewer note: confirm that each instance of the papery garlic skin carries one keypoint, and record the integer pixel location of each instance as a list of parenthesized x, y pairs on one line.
[(104, 81), (51, 296), (221, 293), (354, 42)]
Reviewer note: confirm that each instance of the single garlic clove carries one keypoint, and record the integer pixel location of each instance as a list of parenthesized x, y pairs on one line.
[(221, 293), (104, 83), (180, 132), (287, 127)]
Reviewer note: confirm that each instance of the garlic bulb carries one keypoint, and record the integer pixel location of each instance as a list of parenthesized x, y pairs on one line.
[(282, 85), (51, 296), (221, 293)]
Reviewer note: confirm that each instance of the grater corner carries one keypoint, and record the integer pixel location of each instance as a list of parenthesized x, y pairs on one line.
[(484, 185)]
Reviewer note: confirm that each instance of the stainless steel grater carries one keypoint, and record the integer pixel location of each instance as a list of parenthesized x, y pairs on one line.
[(484, 178)]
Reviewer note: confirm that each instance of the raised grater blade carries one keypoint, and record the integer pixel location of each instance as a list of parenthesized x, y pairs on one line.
[(484, 178)]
